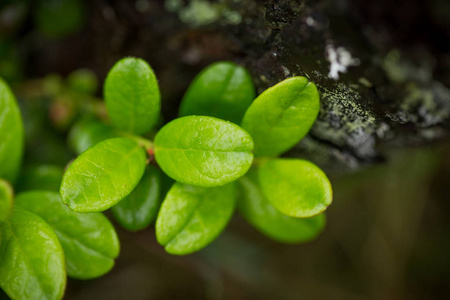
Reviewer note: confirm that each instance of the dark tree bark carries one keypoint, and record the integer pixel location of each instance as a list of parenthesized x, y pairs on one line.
[(394, 61)]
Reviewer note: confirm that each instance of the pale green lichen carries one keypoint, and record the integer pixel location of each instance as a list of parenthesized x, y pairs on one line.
[(344, 122), (200, 12), (400, 69), (425, 106), (423, 101)]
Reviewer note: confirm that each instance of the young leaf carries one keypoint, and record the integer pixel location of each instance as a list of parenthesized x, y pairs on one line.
[(203, 151), (263, 216), (223, 90), (89, 241), (103, 175), (6, 200), (191, 217), (31, 258), (282, 115), (132, 96), (11, 134), (43, 177), (295, 187), (87, 133), (140, 208)]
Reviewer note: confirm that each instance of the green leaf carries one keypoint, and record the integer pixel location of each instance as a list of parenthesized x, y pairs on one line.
[(11, 134), (87, 133), (263, 216), (89, 240), (31, 258), (132, 96), (166, 184), (282, 115), (203, 151), (103, 175), (295, 187), (191, 217), (223, 90), (42, 177), (6, 200), (140, 208)]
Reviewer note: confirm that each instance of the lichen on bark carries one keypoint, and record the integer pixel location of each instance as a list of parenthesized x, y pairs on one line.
[(379, 86)]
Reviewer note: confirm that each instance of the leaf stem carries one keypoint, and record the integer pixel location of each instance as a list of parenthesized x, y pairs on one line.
[(143, 142), (261, 160)]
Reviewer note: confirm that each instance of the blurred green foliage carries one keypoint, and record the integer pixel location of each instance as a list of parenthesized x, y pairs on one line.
[(57, 18)]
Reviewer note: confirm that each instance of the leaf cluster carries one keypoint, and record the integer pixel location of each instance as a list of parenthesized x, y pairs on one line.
[(188, 176), (41, 239)]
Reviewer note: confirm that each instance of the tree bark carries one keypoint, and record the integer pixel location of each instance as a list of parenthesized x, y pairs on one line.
[(382, 69)]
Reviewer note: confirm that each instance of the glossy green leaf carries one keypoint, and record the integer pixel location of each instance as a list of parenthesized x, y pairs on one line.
[(87, 133), (295, 187), (203, 151), (42, 177), (191, 217), (103, 175), (140, 208), (132, 96), (223, 90), (263, 216), (282, 115), (31, 258), (6, 200), (89, 240), (11, 134)]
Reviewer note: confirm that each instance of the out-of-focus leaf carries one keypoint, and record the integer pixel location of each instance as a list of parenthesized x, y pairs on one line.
[(140, 208), (6, 200), (295, 187), (31, 258), (89, 240), (42, 177), (11, 134), (58, 18), (267, 219), (83, 81), (223, 90), (87, 133)]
